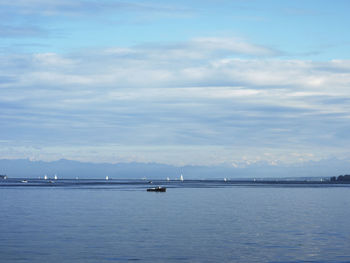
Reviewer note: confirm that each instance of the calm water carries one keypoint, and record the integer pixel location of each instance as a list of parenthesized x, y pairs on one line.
[(191, 222)]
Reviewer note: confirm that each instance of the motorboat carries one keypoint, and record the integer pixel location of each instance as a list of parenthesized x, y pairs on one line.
[(157, 189)]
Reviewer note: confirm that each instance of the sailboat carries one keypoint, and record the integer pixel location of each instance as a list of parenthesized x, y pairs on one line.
[(45, 177), (107, 178), (181, 178), (168, 179), (55, 177)]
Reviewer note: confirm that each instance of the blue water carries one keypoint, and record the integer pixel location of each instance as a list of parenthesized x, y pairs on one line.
[(97, 221)]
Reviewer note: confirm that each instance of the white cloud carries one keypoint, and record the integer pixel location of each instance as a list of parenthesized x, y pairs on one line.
[(153, 101), (53, 60), (234, 45)]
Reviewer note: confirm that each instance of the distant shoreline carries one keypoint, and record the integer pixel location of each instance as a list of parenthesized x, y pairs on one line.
[(27, 182)]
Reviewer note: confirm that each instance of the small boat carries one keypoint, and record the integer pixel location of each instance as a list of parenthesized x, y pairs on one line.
[(156, 189), (24, 181)]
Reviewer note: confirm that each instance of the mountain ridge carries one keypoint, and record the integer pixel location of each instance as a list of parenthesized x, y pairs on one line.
[(65, 168)]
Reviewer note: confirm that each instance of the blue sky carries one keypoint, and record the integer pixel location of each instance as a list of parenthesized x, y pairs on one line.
[(175, 82)]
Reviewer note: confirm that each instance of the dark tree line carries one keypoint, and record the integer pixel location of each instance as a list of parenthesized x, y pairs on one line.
[(341, 178)]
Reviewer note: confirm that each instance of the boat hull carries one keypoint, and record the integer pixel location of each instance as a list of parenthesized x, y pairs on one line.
[(156, 189)]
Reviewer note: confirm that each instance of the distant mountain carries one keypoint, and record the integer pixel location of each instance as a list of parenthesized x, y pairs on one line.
[(71, 169), (262, 169)]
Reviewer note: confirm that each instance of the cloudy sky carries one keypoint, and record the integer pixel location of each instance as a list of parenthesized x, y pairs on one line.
[(175, 82)]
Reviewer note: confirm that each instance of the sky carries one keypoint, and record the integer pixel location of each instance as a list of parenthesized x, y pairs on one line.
[(175, 82)]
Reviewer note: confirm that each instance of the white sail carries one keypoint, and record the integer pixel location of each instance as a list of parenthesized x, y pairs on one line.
[(107, 178), (55, 177), (168, 179), (181, 177), (45, 177)]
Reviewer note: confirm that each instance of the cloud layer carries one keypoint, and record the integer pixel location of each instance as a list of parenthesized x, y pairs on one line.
[(204, 101)]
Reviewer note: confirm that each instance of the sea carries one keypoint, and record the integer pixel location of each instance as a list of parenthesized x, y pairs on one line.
[(193, 221)]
